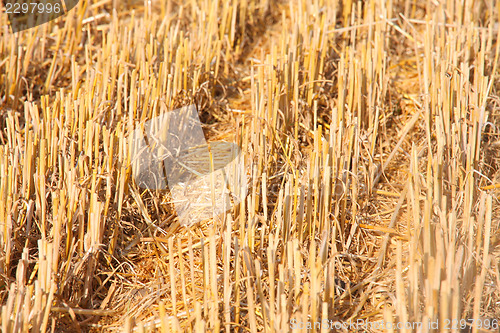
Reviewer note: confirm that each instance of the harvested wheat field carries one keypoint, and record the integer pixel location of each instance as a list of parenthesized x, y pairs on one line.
[(368, 136)]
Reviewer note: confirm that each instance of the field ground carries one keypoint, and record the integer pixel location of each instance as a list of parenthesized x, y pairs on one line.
[(371, 137)]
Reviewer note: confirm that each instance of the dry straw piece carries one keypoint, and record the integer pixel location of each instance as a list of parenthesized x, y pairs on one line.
[(369, 132)]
